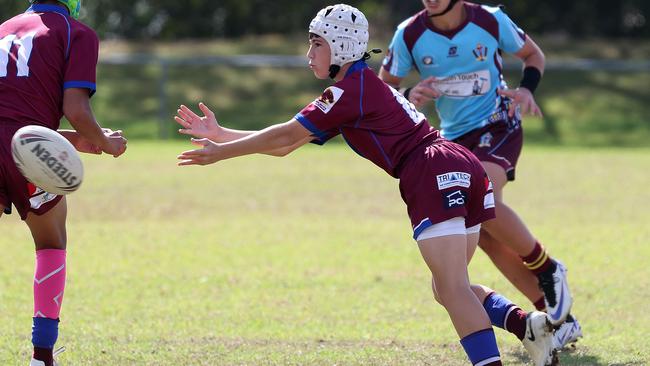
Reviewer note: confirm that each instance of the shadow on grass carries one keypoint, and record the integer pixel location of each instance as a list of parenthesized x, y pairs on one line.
[(576, 356)]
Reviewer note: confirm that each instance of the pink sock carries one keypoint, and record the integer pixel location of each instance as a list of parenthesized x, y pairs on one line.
[(49, 283)]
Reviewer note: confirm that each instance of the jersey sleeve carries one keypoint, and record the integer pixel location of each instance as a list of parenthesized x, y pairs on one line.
[(511, 37), (398, 61), (324, 116), (81, 67)]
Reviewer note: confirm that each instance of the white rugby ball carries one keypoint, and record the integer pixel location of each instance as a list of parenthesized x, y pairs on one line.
[(47, 159)]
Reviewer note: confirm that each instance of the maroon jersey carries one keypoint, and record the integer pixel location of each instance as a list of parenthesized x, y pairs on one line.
[(374, 119), (43, 52)]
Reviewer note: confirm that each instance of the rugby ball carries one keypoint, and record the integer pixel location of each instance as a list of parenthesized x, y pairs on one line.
[(47, 159)]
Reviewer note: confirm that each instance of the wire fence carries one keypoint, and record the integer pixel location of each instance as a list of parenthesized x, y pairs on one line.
[(286, 61)]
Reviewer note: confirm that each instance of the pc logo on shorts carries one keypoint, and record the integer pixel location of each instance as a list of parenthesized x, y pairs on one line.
[(453, 179), (454, 199), (330, 96)]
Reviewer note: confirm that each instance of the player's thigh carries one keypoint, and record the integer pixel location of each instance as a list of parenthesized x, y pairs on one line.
[(446, 257), (472, 242), (48, 229), (454, 226)]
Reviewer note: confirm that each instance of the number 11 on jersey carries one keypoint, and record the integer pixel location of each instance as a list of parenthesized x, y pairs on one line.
[(24, 45)]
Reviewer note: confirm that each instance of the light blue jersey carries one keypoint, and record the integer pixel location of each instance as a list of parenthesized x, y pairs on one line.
[(466, 63)]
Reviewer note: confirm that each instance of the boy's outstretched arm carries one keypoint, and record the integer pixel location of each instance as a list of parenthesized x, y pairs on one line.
[(207, 126), (77, 110), (279, 139)]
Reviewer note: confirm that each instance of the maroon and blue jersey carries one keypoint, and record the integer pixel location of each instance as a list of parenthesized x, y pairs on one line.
[(373, 118), (43, 52), (465, 61)]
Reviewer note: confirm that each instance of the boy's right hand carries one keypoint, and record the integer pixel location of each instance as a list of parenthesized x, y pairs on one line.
[(424, 91), (197, 126), (114, 142)]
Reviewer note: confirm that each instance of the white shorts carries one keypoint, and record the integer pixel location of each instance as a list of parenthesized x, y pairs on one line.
[(455, 226)]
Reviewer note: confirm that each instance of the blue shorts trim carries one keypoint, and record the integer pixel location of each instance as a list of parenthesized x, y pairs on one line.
[(424, 224)]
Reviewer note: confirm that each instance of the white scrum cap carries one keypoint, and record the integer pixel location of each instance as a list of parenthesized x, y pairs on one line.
[(345, 29)]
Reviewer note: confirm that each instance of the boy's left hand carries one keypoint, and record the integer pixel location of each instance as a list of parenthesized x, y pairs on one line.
[(197, 126), (521, 98), (209, 153), (84, 145)]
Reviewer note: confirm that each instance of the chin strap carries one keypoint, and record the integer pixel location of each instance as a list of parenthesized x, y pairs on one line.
[(334, 69), (367, 55), (449, 7)]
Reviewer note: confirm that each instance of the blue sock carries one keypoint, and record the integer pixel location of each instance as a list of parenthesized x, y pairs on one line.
[(497, 308), (45, 332), (481, 347)]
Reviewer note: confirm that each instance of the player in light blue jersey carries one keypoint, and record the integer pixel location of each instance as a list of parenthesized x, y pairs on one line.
[(456, 48)]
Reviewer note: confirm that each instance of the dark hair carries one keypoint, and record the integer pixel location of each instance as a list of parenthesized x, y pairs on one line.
[(313, 35)]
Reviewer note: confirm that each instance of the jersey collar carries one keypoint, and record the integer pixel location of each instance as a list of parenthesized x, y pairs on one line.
[(469, 10), (43, 8), (356, 66)]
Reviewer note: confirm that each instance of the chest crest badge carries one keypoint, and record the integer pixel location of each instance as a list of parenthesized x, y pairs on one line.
[(480, 52)]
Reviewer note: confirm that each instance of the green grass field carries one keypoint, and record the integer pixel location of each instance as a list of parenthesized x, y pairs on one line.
[(308, 260)]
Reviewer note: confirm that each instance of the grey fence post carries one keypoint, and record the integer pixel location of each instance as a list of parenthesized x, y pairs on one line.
[(163, 118)]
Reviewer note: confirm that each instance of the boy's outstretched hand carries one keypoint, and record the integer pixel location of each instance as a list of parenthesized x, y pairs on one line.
[(197, 126), (210, 152)]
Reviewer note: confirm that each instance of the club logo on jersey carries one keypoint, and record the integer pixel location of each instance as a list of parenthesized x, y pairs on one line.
[(453, 179), (428, 61), (485, 140), (453, 51), (330, 96), (480, 52), (454, 199)]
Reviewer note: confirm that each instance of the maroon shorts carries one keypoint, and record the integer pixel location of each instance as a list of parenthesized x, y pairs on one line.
[(14, 188), (445, 180), (499, 142)]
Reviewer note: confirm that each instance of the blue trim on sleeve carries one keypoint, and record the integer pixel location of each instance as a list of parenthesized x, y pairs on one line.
[(81, 85), (312, 128)]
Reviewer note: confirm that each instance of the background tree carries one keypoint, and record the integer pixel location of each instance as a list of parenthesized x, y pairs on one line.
[(172, 19)]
